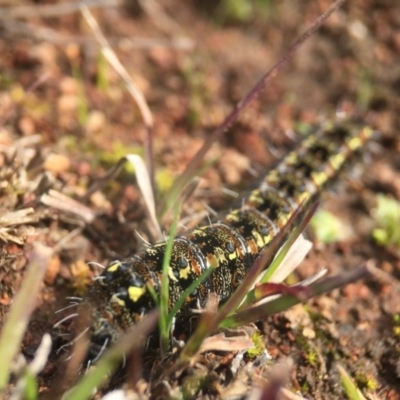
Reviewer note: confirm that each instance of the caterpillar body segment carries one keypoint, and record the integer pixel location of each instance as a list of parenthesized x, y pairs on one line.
[(120, 297)]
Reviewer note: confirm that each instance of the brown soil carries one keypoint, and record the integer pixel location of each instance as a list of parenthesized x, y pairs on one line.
[(351, 63)]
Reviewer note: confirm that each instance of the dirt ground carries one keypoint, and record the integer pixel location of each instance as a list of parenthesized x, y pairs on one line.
[(193, 61)]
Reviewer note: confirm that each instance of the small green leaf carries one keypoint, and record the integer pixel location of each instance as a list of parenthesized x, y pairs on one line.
[(387, 217), (380, 236), (259, 345), (164, 179), (327, 227), (236, 11)]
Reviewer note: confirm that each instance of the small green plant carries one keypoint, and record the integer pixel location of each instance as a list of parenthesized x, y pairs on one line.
[(327, 227), (118, 150), (164, 180), (242, 11), (387, 218), (303, 128), (365, 89), (366, 381), (102, 70), (235, 11), (83, 107), (197, 91), (259, 345), (396, 325), (312, 357)]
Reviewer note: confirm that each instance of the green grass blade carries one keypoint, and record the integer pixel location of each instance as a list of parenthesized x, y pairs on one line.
[(265, 80), (153, 294), (131, 86), (286, 301), (31, 388), (205, 328), (351, 390), (131, 341), (288, 244), (187, 292), (206, 324), (269, 259), (301, 215), (21, 310), (82, 107), (164, 292), (102, 72)]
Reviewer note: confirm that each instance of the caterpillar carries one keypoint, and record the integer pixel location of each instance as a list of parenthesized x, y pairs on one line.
[(119, 297)]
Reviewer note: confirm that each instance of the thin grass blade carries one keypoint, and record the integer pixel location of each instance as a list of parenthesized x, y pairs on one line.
[(164, 293), (351, 390), (131, 341), (286, 301), (27, 385), (209, 323), (294, 257), (265, 290), (191, 288), (133, 89), (242, 105), (21, 310), (274, 267), (299, 218), (269, 273)]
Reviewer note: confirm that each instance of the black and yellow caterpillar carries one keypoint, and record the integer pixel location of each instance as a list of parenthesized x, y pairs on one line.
[(119, 297)]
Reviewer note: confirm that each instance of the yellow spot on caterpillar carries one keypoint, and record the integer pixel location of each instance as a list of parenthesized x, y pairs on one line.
[(284, 218), (200, 233), (114, 267), (337, 161), (184, 273), (151, 252), (220, 255), (232, 256), (354, 143), (261, 240), (256, 197), (272, 177), (233, 217), (304, 196), (368, 132), (135, 293), (319, 178), (291, 158), (309, 141)]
